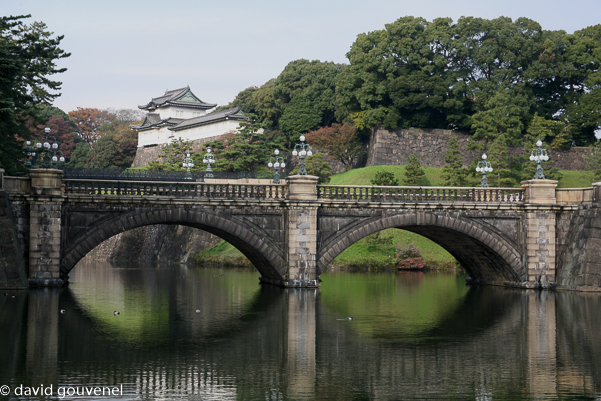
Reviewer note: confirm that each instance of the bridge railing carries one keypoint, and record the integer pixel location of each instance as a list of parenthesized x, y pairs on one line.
[(175, 189), (419, 194)]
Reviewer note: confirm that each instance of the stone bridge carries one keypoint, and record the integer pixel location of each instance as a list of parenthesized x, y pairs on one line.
[(533, 236)]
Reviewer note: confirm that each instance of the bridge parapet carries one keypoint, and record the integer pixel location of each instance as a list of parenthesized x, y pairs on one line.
[(419, 194), (214, 190)]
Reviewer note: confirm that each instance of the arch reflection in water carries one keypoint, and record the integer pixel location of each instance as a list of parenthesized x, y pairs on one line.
[(419, 336)]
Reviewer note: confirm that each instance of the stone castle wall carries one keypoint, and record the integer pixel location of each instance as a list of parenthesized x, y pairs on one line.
[(579, 249), (393, 147), (147, 154)]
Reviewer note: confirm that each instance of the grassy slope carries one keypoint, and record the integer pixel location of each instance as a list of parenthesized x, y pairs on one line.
[(360, 253)]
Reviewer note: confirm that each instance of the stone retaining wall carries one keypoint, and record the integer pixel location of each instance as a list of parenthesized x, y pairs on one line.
[(393, 147), (147, 154), (579, 249)]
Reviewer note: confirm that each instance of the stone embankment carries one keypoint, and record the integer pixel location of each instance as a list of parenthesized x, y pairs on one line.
[(12, 268), (393, 147)]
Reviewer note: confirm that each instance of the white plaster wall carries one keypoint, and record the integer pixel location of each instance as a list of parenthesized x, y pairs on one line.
[(154, 137), (179, 112)]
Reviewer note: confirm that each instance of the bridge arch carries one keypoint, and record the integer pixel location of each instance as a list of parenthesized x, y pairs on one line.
[(487, 255), (266, 256)]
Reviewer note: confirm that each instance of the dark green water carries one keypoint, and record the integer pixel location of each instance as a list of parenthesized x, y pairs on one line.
[(218, 335)]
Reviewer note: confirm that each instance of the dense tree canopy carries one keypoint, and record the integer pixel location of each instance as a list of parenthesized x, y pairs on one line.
[(488, 76), (28, 56)]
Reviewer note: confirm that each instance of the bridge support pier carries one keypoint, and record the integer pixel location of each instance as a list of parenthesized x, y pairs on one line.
[(45, 204), (301, 216), (540, 233)]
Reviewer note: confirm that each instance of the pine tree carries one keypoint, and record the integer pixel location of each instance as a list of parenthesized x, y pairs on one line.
[(413, 170), (28, 56), (453, 172), (384, 178)]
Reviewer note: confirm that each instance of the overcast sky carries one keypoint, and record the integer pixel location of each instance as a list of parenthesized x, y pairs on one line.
[(124, 52)]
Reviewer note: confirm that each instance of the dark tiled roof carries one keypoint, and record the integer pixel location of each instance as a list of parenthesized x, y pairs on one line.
[(234, 113), (153, 120), (172, 97)]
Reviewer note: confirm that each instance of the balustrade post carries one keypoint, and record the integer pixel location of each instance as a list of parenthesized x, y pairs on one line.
[(597, 191)]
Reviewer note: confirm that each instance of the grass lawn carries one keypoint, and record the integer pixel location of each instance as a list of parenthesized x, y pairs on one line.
[(433, 177)]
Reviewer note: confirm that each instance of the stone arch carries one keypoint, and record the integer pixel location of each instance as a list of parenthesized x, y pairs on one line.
[(487, 256), (266, 256)]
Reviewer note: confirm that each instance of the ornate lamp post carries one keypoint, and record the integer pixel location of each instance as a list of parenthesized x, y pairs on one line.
[(208, 159), (303, 150), (539, 155), (187, 164), (276, 162), (47, 149), (484, 167)]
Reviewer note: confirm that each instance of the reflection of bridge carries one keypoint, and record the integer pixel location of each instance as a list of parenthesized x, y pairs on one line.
[(536, 339), (292, 231)]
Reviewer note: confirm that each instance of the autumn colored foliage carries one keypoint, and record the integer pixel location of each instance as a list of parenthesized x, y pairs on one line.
[(91, 123), (339, 141)]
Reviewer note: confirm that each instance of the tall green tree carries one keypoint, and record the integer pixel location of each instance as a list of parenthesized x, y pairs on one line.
[(28, 56), (103, 154), (172, 156), (300, 116), (246, 150), (453, 172), (400, 76), (583, 108), (413, 171), (79, 156), (504, 113), (309, 82)]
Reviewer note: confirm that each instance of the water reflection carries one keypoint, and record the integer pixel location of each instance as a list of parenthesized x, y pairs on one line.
[(212, 334)]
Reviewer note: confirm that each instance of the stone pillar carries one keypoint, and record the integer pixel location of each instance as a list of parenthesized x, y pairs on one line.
[(45, 207), (302, 231), (540, 233), (596, 191)]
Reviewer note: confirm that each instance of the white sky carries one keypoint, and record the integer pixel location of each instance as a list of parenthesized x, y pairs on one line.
[(124, 52)]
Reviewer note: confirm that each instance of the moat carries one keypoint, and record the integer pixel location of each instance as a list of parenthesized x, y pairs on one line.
[(174, 332)]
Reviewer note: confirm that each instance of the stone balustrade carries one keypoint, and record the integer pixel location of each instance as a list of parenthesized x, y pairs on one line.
[(215, 190), (419, 194)]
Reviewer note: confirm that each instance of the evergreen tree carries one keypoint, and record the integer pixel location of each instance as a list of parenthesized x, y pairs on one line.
[(80, 155), (173, 156), (384, 178), (247, 148), (413, 171), (28, 56), (453, 172)]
